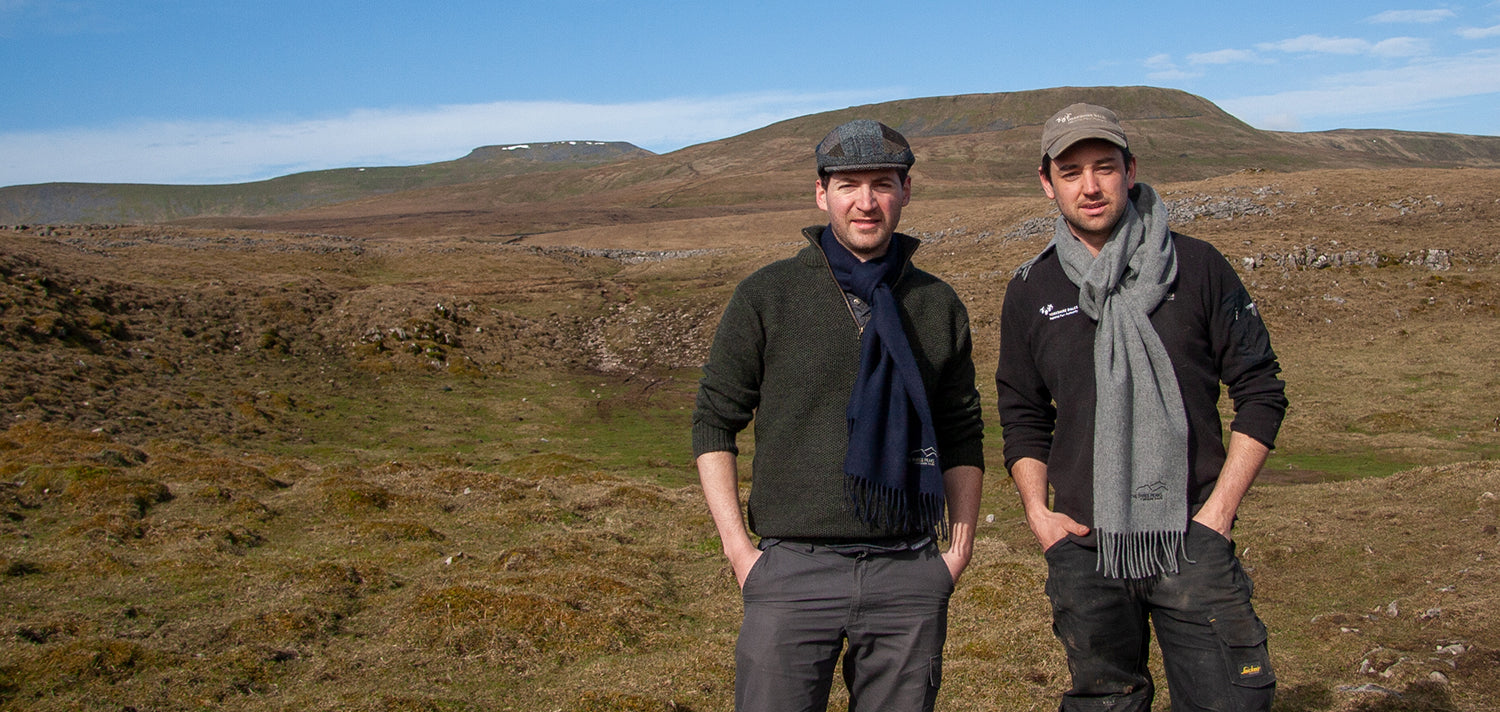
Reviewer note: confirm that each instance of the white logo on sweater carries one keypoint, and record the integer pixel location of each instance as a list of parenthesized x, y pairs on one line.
[(1054, 313)]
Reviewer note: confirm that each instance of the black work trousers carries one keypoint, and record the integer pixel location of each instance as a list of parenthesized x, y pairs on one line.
[(1213, 645)]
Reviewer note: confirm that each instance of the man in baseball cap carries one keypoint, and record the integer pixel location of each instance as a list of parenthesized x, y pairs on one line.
[(855, 367), (1114, 343)]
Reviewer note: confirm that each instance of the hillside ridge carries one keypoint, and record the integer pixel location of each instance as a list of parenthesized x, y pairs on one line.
[(967, 145), (67, 202)]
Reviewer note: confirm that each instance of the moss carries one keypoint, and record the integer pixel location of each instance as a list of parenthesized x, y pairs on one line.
[(351, 495), (97, 488)]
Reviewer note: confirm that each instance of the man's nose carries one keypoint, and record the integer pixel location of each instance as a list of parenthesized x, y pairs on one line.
[(1090, 183), (865, 200)]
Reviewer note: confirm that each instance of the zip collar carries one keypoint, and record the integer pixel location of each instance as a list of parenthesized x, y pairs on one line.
[(814, 256)]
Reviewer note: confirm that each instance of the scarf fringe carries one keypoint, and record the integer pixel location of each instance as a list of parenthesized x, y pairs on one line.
[(890, 509), (1139, 555)]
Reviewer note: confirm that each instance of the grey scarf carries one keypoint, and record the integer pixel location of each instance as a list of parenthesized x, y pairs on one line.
[(1140, 425)]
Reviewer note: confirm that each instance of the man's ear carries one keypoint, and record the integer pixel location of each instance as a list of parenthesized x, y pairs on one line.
[(820, 194), (1041, 174)]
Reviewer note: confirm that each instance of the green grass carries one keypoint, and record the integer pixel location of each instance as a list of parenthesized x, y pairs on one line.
[(634, 425), (1333, 467)]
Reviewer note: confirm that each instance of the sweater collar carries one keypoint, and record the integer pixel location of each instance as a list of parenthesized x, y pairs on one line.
[(813, 253)]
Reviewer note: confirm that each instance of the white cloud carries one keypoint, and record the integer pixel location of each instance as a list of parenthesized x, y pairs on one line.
[(230, 151), (1317, 44), (1479, 33), (1159, 61), (1279, 122), (1223, 56), (1167, 76), (1161, 69), (1400, 47), (1418, 85), (1412, 16)]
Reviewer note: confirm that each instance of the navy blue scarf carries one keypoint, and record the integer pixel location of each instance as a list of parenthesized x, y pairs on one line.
[(892, 472)]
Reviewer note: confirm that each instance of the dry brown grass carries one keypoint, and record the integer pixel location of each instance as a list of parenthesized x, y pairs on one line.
[(247, 483), (476, 590)]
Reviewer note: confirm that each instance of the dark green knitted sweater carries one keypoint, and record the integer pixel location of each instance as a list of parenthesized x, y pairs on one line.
[(787, 353)]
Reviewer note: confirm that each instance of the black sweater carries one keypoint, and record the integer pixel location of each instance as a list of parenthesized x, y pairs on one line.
[(1045, 379)]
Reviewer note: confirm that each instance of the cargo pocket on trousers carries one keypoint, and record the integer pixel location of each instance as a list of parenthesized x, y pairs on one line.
[(1242, 637)]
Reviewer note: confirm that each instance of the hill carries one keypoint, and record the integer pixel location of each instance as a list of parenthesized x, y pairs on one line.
[(134, 203), (967, 146)]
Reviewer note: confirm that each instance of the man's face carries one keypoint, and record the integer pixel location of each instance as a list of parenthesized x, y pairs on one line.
[(863, 208), (1090, 182)]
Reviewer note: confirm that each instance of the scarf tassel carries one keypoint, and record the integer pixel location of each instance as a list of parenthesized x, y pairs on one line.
[(888, 508), (1139, 555)]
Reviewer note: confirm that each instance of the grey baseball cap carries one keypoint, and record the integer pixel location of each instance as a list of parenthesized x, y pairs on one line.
[(1079, 122), (864, 145)]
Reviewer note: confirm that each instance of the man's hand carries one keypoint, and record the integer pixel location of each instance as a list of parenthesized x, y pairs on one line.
[(717, 473), (1050, 527), (1218, 524), (962, 485), (742, 561), (956, 563), (1242, 463)]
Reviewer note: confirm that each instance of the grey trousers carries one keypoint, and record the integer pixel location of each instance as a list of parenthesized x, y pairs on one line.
[(885, 611), (1213, 646)]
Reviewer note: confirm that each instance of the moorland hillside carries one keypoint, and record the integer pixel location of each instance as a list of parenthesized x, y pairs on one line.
[(331, 469), (148, 203), (967, 146)]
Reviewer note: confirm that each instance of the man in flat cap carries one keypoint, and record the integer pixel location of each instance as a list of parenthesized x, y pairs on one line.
[(856, 369), (1113, 344)]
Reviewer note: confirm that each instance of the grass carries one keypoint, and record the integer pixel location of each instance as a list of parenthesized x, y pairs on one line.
[(279, 581), (285, 519), (633, 423)]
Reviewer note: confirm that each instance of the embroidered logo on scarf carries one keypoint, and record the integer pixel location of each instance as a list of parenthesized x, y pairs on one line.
[(926, 457)]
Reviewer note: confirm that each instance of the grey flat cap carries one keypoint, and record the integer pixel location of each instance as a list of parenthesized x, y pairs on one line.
[(1079, 122), (864, 145)]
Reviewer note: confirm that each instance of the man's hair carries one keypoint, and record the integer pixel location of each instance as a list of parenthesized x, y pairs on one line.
[(901, 174), (1125, 156)]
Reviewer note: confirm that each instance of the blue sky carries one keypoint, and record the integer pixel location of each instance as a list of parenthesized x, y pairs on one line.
[(202, 91)]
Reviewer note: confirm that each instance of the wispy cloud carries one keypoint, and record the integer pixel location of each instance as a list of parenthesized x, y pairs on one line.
[(1410, 17), (229, 151), (1422, 83), (1223, 56), (1479, 33), (1317, 44), (1161, 68)]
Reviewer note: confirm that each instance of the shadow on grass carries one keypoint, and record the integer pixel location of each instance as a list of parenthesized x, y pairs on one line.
[(1415, 697)]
